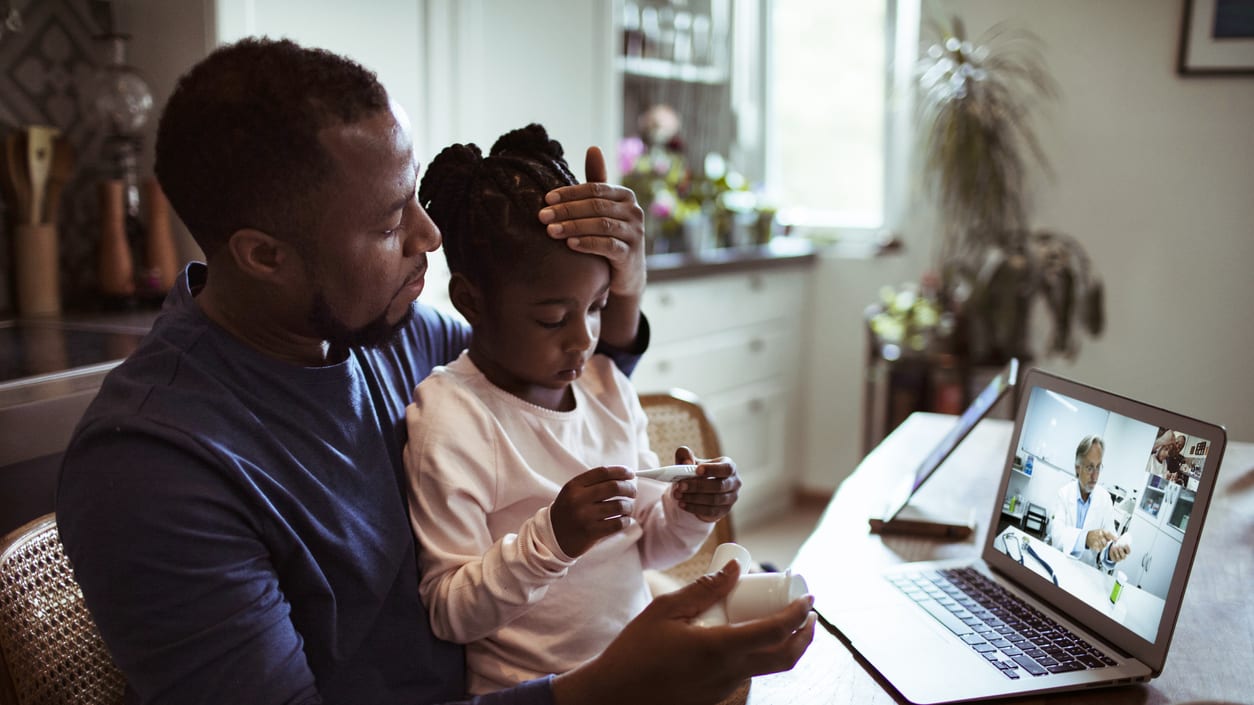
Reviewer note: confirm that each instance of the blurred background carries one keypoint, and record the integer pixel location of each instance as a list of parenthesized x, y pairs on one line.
[(816, 270)]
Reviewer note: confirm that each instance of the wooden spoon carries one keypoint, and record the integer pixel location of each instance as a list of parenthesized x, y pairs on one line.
[(15, 169), (58, 176), (39, 157)]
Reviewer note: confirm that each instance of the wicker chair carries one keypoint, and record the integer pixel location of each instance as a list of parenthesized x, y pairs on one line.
[(677, 418), (51, 648)]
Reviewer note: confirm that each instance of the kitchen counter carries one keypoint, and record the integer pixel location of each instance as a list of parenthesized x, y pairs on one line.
[(50, 370), (779, 252)]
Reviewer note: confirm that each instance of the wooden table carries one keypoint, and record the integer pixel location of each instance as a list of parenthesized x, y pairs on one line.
[(1212, 654)]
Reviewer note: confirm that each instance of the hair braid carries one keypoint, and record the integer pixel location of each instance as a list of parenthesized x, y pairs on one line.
[(447, 192), (487, 208)]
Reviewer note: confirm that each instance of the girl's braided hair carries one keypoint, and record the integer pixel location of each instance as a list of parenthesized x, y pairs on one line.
[(487, 209)]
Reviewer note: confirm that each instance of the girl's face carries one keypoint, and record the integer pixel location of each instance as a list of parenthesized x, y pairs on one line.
[(537, 328)]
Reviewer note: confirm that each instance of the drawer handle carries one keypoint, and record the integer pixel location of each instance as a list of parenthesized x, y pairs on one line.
[(756, 282), (756, 406), (666, 300), (757, 345), (664, 366)]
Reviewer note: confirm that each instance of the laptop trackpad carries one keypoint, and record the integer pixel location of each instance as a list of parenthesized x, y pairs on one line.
[(914, 653)]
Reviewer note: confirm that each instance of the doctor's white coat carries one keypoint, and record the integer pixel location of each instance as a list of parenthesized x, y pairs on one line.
[(1063, 532)]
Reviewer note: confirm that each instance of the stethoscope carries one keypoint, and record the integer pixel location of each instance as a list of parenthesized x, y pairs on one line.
[(1026, 547)]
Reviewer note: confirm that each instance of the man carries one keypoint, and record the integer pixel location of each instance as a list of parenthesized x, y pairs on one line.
[(231, 500), (1167, 458), (1083, 521), (1177, 465)]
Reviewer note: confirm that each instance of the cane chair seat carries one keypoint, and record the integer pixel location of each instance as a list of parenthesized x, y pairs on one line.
[(676, 418), (52, 650)]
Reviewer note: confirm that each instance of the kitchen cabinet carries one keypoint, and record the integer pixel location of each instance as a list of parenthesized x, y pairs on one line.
[(1154, 553), (1167, 504), (1158, 525), (703, 58), (735, 340), (464, 70)]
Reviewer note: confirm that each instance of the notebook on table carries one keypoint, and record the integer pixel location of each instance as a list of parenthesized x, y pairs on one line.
[(1027, 616), (897, 515)]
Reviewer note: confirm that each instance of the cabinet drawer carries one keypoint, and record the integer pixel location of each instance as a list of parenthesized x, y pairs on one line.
[(754, 431), (752, 426), (717, 363), (685, 309)]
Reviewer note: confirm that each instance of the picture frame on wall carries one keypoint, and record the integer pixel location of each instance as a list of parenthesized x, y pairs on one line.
[(1217, 38)]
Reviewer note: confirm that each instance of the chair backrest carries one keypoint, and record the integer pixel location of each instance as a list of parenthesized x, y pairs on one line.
[(676, 418), (51, 647)]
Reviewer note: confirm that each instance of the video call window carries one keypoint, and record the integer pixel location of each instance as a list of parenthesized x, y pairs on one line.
[(1107, 526)]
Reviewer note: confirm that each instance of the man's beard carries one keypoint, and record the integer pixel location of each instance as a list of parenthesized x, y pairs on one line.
[(331, 329)]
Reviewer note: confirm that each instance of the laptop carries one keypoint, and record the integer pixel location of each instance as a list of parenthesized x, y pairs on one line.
[(1027, 616), (897, 515)]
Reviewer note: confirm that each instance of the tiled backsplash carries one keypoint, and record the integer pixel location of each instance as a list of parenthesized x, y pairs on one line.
[(46, 70)]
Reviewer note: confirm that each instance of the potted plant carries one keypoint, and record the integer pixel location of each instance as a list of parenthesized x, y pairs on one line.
[(975, 105)]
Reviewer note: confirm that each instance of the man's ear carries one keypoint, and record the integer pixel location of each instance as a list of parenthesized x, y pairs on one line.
[(466, 297), (259, 254)]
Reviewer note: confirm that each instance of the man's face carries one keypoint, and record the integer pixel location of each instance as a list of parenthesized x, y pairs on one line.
[(1088, 470), (539, 328), (366, 257)]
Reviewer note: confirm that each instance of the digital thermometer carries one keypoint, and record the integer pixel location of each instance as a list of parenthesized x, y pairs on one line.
[(669, 473)]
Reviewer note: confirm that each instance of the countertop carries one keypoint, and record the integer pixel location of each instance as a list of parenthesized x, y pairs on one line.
[(53, 350), (779, 252)]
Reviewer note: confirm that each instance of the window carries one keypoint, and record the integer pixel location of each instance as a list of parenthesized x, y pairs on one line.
[(837, 88)]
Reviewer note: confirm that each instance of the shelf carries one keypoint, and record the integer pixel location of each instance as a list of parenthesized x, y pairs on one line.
[(671, 71)]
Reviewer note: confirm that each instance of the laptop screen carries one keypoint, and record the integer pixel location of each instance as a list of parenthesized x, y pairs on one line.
[(1103, 498), (979, 407)]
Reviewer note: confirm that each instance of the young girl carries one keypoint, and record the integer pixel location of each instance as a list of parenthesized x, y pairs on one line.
[(528, 556)]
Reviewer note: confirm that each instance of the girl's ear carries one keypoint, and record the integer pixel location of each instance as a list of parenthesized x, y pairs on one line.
[(466, 297)]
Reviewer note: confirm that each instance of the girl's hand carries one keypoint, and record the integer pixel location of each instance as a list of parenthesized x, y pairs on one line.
[(709, 496), (593, 505)]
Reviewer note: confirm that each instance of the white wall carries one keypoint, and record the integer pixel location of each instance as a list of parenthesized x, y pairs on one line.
[(1152, 172), (464, 70)]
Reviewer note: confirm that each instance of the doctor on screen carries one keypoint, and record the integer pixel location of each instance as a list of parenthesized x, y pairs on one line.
[(1082, 524)]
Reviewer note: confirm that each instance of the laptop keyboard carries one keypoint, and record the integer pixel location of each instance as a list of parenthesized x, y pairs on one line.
[(1013, 636)]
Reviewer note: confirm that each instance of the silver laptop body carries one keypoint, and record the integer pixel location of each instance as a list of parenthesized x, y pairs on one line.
[(934, 647)]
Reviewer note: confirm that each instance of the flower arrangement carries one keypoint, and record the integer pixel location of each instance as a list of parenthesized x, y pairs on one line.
[(909, 316), (662, 182), (683, 210)]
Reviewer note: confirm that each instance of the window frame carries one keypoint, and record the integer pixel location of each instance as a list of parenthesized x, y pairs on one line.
[(901, 33)]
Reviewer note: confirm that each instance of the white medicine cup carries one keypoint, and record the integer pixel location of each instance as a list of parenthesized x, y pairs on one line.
[(760, 594), (725, 552)]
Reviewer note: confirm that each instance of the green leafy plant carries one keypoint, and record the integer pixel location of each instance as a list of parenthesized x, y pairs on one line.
[(976, 101)]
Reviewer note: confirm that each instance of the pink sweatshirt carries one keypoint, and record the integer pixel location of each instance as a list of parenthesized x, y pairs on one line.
[(483, 467)]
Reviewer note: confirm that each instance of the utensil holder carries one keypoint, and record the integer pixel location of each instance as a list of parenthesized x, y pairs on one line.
[(116, 268), (37, 270)]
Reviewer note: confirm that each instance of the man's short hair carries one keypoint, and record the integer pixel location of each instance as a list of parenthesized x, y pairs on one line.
[(237, 145), (1086, 444)]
